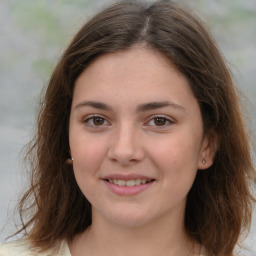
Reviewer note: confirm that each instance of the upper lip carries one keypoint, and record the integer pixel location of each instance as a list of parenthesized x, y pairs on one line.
[(126, 177)]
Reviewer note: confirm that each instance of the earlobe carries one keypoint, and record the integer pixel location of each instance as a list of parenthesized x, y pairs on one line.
[(69, 161), (208, 151)]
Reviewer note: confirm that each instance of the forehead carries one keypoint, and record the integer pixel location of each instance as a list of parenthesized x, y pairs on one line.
[(148, 59), (138, 73)]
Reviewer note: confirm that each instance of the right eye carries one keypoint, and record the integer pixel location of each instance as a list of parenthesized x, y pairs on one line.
[(96, 121)]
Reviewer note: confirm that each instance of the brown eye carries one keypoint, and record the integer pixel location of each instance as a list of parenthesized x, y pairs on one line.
[(160, 121), (98, 121)]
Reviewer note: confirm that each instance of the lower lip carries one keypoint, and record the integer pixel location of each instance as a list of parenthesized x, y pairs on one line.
[(128, 191)]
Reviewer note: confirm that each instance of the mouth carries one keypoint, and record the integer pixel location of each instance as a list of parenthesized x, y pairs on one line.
[(129, 183)]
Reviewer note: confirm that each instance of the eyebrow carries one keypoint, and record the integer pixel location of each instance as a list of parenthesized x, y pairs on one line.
[(94, 104), (157, 105), (140, 108)]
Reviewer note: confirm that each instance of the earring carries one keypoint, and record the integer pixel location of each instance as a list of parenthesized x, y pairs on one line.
[(70, 160), (204, 161)]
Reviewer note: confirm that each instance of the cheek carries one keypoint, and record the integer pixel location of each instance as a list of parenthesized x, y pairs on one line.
[(177, 155), (87, 154), (88, 157), (87, 161), (176, 150)]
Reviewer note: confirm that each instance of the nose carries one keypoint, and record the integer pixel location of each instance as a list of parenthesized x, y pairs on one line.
[(125, 146)]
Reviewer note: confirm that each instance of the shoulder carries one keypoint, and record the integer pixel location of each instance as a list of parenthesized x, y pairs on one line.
[(20, 247), (202, 253), (24, 247)]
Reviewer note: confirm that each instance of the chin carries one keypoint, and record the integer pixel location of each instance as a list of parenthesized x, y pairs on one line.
[(129, 218)]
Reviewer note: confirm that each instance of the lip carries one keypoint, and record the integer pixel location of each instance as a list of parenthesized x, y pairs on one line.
[(125, 190), (126, 177)]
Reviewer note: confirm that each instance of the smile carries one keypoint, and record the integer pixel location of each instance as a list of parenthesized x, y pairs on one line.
[(128, 183)]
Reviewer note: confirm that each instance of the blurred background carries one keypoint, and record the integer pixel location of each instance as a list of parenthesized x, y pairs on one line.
[(33, 35)]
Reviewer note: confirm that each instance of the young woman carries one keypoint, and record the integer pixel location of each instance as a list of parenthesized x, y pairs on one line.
[(140, 148)]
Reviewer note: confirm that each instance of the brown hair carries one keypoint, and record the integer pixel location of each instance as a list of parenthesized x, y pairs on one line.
[(219, 204)]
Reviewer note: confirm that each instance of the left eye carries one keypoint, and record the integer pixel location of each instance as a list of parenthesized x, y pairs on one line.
[(160, 121), (96, 121)]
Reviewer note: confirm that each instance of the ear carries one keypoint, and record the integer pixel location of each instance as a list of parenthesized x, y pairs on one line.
[(209, 147), (70, 159)]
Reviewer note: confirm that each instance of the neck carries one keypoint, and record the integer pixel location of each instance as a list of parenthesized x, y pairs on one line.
[(162, 237)]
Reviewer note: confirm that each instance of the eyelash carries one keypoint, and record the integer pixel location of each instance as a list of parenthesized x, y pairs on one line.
[(167, 121), (163, 118), (94, 117)]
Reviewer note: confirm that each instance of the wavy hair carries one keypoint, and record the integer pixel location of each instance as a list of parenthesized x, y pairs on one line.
[(219, 205)]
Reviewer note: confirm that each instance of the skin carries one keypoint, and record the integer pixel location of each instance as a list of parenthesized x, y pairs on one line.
[(163, 141)]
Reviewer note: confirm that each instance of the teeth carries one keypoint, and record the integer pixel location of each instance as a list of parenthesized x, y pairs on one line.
[(121, 182), (128, 183), (138, 182), (143, 181)]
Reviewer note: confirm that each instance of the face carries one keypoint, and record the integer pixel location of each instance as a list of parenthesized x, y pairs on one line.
[(136, 137)]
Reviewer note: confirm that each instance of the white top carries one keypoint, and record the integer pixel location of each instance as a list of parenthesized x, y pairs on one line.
[(23, 248)]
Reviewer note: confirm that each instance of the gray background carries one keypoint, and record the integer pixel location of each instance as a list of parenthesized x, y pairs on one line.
[(33, 35)]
